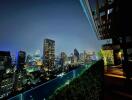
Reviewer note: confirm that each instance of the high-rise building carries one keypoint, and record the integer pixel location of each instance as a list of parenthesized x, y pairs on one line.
[(21, 60), (81, 57), (114, 25), (37, 58), (6, 74), (72, 58), (76, 54), (5, 60), (29, 59), (49, 53), (63, 58)]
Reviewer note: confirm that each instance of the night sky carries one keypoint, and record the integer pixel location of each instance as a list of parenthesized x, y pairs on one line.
[(24, 24)]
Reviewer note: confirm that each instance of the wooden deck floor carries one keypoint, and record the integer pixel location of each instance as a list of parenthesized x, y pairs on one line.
[(115, 85)]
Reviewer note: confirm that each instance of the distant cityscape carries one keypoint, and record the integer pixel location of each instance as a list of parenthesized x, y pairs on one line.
[(22, 72)]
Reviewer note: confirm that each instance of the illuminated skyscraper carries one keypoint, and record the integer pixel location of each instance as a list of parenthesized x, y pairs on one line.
[(6, 74), (76, 54), (63, 58), (37, 58), (21, 60), (49, 53), (81, 57)]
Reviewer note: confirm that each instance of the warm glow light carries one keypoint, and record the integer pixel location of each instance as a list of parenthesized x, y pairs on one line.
[(108, 57), (120, 54)]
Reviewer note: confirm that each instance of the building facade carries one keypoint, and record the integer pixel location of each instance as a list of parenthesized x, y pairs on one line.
[(49, 53), (6, 74)]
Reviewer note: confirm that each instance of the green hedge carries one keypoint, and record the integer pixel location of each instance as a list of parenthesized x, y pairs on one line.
[(88, 86)]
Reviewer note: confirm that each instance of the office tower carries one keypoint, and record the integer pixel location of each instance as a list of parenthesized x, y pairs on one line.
[(21, 60), (81, 57), (13, 57), (37, 55), (37, 58), (49, 53), (5, 60), (29, 59), (20, 73), (6, 74), (72, 58), (76, 54), (86, 56), (63, 58)]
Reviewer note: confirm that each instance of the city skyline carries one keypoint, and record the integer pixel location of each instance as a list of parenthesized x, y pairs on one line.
[(25, 24)]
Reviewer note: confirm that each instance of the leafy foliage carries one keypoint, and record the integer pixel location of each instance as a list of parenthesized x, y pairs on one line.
[(89, 86)]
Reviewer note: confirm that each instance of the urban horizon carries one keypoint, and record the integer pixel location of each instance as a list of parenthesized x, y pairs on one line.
[(65, 22), (23, 71), (44, 43), (40, 52)]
